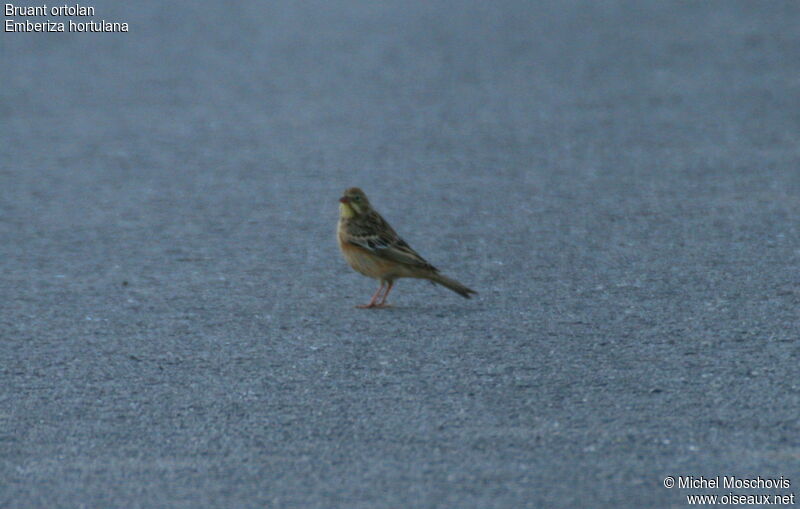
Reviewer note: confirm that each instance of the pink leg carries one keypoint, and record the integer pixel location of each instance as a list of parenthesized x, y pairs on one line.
[(382, 303), (374, 300)]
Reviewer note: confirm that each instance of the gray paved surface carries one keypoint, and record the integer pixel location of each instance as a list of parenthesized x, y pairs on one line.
[(618, 180)]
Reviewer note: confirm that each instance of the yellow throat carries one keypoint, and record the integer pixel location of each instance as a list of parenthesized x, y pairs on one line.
[(346, 211)]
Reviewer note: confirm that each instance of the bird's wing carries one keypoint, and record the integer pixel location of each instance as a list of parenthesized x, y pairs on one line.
[(374, 234)]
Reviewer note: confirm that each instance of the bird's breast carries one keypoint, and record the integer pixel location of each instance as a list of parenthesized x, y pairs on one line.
[(360, 259)]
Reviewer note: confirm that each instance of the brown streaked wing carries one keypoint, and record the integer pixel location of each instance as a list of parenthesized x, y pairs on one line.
[(372, 232)]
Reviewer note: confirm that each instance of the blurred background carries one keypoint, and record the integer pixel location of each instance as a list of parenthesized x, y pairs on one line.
[(618, 179)]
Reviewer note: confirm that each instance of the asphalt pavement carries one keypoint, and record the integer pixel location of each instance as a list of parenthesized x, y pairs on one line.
[(619, 180)]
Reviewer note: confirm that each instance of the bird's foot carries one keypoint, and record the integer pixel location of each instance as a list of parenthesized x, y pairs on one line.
[(374, 306)]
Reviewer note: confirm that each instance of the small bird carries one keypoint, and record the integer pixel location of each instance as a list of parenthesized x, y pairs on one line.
[(374, 249)]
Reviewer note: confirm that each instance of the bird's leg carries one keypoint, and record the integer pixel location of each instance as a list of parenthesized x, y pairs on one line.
[(383, 303), (374, 300)]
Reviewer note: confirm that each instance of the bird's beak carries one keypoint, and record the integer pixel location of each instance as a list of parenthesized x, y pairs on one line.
[(344, 199)]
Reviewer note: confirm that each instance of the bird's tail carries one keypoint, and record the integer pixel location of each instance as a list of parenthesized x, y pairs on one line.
[(452, 284)]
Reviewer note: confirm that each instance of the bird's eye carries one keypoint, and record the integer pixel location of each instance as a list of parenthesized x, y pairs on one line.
[(357, 198)]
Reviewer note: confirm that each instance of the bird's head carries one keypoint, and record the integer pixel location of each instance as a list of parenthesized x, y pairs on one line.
[(353, 203)]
